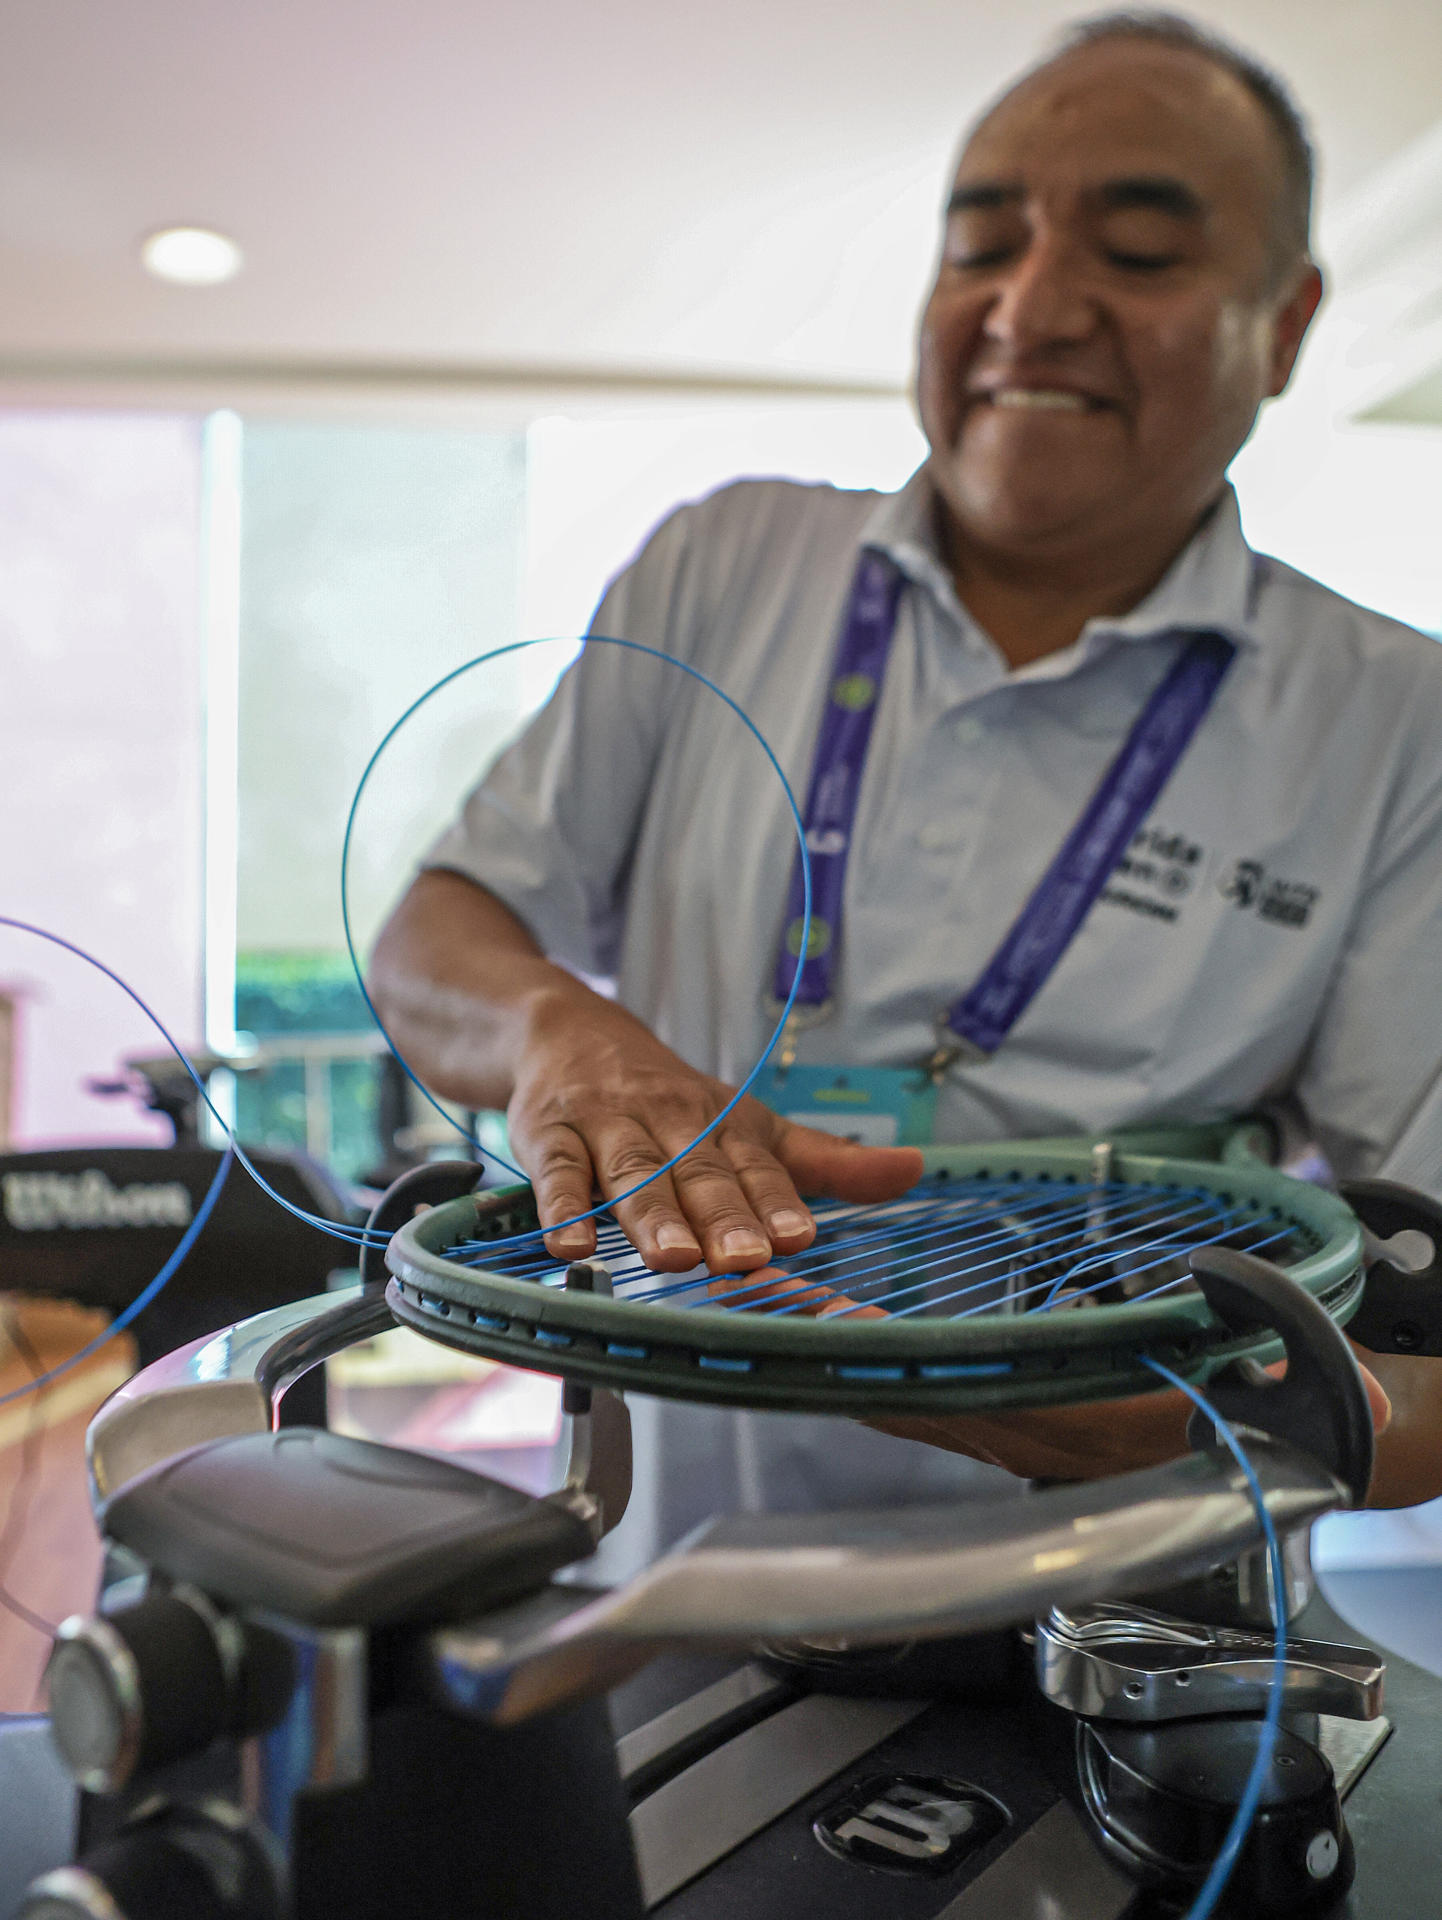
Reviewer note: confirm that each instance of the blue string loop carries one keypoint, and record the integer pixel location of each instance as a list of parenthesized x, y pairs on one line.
[(670, 659)]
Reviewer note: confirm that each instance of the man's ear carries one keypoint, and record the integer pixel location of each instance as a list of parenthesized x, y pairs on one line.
[(1290, 323)]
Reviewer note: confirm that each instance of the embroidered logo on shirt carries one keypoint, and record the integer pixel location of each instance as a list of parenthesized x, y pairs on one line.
[(825, 840), (1286, 903), (818, 941), (854, 692), (1156, 873)]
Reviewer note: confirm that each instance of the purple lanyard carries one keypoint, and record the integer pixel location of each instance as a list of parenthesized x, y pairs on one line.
[(976, 1024)]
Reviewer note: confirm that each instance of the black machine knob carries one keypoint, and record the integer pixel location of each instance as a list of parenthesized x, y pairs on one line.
[(1162, 1797), (152, 1682), (178, 1862)]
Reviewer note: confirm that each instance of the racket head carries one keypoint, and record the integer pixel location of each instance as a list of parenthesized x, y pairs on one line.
[(992, 1323)]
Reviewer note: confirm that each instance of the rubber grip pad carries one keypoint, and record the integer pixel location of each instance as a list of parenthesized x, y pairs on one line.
[(332, 1531)]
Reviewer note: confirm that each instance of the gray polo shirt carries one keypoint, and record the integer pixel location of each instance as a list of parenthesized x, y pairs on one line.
[(1274, 933)]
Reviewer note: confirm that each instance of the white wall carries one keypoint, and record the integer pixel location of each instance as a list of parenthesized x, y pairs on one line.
[(1359, 507), (596, 488), (373, 560), (99, 749)]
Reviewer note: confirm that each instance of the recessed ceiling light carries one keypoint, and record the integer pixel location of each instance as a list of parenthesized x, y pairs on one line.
[(191, 256)]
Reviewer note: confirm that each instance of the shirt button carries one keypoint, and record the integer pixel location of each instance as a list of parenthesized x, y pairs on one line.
[(940, 836), (970, 732)]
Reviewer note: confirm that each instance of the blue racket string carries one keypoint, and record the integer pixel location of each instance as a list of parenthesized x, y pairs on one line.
[(1044, 1255), (932, 1224), (935, 1224), (990, 1235), (1212, 1887)]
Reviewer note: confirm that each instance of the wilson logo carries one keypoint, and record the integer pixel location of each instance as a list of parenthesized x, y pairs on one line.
[(911, 1823), (41, 1202)]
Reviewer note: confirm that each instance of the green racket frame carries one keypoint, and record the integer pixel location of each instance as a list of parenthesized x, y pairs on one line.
[(860, 1366)]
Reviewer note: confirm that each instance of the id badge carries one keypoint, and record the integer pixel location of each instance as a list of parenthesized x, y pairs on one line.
[(875, 1106)]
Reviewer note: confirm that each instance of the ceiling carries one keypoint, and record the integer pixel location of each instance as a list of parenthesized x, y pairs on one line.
[(479, 194)]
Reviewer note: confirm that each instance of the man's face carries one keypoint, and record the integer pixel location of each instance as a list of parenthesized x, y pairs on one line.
[(1108, 313)]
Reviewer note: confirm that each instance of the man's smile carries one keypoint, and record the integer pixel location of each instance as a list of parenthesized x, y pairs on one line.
[(1021, 397), (1041, 399)]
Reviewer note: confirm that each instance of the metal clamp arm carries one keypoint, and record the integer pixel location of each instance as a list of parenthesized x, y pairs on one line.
[(1130, 1663), (230, 1382), (906, 1573)]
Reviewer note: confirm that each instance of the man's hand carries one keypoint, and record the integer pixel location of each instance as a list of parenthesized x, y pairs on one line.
[(595, 1101), (600, 1103), (1095, 1438), (1092, 1439)]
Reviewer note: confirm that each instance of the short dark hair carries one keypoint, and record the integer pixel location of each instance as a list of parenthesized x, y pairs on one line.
[(1272, 95)]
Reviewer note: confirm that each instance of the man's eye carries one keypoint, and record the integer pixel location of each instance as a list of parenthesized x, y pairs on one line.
[(978, 257), (1142, 262)]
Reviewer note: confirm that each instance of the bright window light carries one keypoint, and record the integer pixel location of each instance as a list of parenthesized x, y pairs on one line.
[(191, 256)]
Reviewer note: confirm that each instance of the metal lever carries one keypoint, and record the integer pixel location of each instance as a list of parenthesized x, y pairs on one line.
[(1130, 1663)]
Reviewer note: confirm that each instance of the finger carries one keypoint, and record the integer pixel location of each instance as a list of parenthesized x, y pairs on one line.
[(654, 1220), (821, 1163), (1076, 1442), (1377, 1401), (764, 1289), (771, 1287), (563, 1180), (714, 1201), (952, 1434), (770, 1192)]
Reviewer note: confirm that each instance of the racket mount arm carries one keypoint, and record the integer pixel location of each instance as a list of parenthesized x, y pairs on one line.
[(597, 1487), (229, 1382), (1321, 1404), (1401, 1310), (430, 1185)]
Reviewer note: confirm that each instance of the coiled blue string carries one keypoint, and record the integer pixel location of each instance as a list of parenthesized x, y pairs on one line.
[(670, 659), (1211, 1888)]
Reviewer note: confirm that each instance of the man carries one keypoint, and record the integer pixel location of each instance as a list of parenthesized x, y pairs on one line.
[(1124, 279)]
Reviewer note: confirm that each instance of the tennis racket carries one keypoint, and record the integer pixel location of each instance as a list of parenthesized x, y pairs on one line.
[(1011, 1275)]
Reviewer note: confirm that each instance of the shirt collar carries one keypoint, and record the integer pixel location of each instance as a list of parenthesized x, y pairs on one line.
[(1210, 584)]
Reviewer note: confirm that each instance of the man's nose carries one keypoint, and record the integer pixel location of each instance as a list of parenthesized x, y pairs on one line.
[(1042, 299)]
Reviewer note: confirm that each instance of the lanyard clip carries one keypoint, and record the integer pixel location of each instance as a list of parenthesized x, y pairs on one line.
[(786, 1050), (800, 1018), (951, 1047)]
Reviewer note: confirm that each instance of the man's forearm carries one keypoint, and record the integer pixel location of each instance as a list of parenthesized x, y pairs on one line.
[(1409, 1453), (458, 980)]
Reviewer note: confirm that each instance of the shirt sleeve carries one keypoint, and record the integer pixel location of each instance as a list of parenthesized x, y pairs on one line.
[(551, 828), (1371, 1084)]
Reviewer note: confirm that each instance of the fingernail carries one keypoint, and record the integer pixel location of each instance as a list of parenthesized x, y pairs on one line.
[(789, 1222), (742, 1244), (674, 1237), (569, 1237)]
